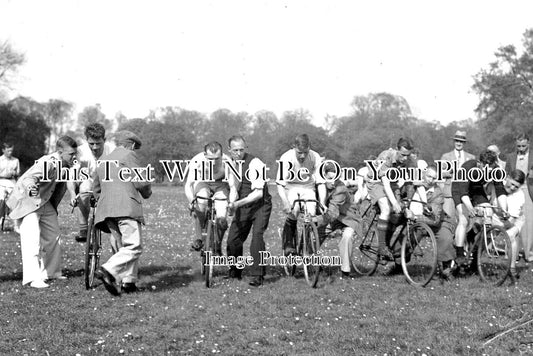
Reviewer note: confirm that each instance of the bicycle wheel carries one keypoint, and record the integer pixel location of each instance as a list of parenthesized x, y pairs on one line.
[(494, 255), (364, 254), (92, 252), (311, 247), (209, 250), (419, 254), (290, 268)]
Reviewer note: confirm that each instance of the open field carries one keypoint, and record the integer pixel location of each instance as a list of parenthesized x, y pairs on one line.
[(177, 315)]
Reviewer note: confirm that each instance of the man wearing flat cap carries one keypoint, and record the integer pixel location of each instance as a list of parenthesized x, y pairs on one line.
[(119, 212), (461, 156)]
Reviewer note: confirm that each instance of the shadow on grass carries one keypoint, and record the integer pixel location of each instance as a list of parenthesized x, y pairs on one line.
[(163, 278), (15, 276)]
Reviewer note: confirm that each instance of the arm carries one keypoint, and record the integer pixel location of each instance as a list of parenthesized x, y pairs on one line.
[(333, 212), (284, 200), (390, 195)]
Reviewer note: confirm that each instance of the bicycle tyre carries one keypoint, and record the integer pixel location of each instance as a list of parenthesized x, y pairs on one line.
[(419, 255), (494, 256), (92, 252), (364, 254), (311, 248), (208, 253)]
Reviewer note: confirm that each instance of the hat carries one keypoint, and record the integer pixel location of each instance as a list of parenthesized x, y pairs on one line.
[(460, 136), (125, 136)]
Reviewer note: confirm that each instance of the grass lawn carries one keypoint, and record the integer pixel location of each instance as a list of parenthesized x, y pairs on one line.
[(177, 315)]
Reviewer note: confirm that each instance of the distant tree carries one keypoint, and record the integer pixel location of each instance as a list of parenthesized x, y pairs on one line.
[(92, 114), (505, 90), (223, 124), (27, 130), (10, 61), (58, 116), (120, 119), (265, 127)]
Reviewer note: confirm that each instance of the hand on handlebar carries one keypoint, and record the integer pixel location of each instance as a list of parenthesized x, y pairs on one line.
[(33, 190), (396, 207)]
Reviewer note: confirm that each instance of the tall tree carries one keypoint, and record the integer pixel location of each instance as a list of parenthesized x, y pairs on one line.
[(58, 116), (505, 90), (92, 114), (10, 60)]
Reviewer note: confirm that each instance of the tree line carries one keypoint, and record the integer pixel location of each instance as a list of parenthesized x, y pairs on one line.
[(375, 123)]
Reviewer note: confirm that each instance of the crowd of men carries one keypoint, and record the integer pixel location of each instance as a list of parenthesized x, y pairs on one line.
[(448, 205)]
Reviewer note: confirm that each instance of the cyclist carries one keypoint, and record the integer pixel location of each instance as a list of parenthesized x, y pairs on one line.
[(468, 194), (211, 163), (88, 154), (301, 158), (9, 172), (387, 194)]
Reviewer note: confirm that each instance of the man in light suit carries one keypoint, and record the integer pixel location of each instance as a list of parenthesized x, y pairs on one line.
[(461, 156), (34, 201), (119, 211), (522, 159)]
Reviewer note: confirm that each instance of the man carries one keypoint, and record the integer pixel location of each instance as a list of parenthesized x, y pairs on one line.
[(9, 172), (522, 159), (252, 210), (341, 213), (205, 165), (34, 200), (512, 202), (434, 216), (119, 212), (387, 194), (461, 156), (468, 194), (88, 154), (299, 159)]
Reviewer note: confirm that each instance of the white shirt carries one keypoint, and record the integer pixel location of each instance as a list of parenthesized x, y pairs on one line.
[(312, 162)]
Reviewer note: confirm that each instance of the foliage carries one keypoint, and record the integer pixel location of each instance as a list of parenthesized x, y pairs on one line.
[(505, 90), (10, 60), (91, 114), (27, 130)]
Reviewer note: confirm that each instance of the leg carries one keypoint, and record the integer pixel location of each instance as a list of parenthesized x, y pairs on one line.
[(237, 234), (221, 208), (460, 233), (51, 243), (84, 207), (383, 227), (345, 248), (30, 245), (527, 230), (260, 224)]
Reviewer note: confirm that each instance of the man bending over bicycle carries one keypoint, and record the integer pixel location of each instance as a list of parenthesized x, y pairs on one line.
[(299, 157), (434, 216), (387, 194), (211, 163), (512, 203), (341, 214), (469, 194)]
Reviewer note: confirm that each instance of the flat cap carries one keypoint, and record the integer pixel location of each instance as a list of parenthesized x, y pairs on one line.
[(126, 136)]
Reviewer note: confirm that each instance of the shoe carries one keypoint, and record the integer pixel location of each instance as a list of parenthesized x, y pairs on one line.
[(130, 288), (59, 277), (256, 281), (393, 270), (385, 254), (109, 281), (447, 274), (81, 237), (234, 273), (345, 274), (197, 245), (514, 275), (289, 251), (39, 284), (461, 261)]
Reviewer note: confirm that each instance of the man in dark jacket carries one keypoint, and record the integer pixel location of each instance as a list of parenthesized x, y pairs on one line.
[(119, 211)]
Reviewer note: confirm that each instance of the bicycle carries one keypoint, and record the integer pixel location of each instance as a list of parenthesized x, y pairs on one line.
[(418, 253), (491, 249), (93, 246), (307, 243), (210, 239)]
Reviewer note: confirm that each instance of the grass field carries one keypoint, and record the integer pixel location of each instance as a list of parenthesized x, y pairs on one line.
[(177, 315)]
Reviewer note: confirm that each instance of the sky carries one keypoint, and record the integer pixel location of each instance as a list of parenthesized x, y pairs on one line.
[(133, 56)]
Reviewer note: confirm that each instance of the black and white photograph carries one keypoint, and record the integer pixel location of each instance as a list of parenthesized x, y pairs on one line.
[(285, 177)]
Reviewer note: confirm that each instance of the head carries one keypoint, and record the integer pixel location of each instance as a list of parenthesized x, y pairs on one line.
[(66, 146), (489, 159), (495, 149), (95, 135), (301, 147), (459, 140), (430, 176), (522, 143), (329, 173), (514, 181), (7, 149), (237, 147), (128, 140), (415, 153), (213, 151), (404, 148)]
